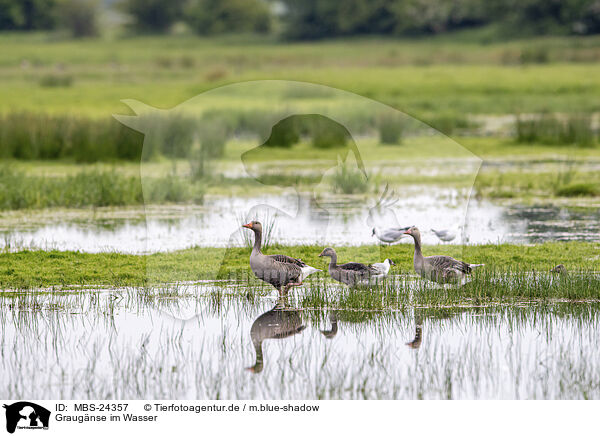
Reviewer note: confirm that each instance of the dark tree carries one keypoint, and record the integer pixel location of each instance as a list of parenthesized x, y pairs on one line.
[(153, 16), (27, 14), (209, 17), (78, 16)]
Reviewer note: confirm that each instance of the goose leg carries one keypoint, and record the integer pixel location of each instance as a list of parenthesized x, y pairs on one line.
[(289, 285)]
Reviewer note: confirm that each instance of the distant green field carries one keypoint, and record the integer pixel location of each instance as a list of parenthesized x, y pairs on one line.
[(421, 76)]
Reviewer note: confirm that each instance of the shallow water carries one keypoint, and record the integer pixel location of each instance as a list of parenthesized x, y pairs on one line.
[(299, 220), (196, 342)]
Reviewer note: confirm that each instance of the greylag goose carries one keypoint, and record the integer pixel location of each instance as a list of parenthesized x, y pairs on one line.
[(440, 269), (445, 235), (278, 270), (277, 323), (351, 273), (384, 267), (389, 235)]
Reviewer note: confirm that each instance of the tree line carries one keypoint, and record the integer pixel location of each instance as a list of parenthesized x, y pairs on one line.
[(309, 19)]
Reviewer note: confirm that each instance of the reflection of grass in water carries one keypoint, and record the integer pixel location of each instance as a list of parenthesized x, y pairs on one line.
[(81, 336), (488, 286)]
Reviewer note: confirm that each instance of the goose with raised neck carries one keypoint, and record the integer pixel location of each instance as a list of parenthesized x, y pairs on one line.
[(439, 269), (279, 270)]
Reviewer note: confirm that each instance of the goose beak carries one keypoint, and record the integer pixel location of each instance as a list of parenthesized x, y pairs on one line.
[(248, 226), (406, 232)]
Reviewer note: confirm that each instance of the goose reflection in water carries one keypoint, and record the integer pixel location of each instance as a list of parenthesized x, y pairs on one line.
[(416, 342), (278, 323), (330, 334)]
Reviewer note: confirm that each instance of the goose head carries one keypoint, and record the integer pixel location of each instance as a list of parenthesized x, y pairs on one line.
[(414, 232), (328, 252), (254, 226)]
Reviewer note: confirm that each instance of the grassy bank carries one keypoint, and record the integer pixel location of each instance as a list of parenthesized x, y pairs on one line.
[(34, 269)]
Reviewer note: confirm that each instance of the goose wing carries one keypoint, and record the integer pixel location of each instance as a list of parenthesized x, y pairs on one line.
[(359, 268), (445, 263), (287, 259), (289, 267)]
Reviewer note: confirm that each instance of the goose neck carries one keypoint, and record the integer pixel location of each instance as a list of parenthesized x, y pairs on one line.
[(257, 241), (333, 261), (418, 252)]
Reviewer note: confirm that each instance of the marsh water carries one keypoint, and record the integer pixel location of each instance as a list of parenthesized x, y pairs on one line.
[(206, 341), (332, 221)]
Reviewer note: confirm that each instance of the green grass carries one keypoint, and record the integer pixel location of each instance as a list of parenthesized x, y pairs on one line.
[(33, 269), (92, 187), (506, 173), (423, 76), (550, 129)]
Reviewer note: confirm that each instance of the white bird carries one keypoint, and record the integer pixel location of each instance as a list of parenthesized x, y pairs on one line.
[(389, 235), (445, 235), (383, 267)]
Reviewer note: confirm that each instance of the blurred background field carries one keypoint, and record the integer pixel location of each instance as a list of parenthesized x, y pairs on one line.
[(514, 83)]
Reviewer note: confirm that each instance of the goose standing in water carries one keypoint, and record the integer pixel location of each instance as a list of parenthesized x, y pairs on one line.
[(351, 273), (278, 270), (277, 323), (389, 235), (440, 269)]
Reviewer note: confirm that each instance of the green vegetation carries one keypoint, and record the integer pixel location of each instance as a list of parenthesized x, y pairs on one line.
[(349, 180), (34, 269), (424, 77), (36, 136), (520, 171), (550, 129), (579, 190), (390, 130), (95, 188), (310, 19)]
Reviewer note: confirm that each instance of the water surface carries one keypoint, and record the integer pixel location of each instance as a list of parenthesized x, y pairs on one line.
[(331, 221), (198, 342)]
